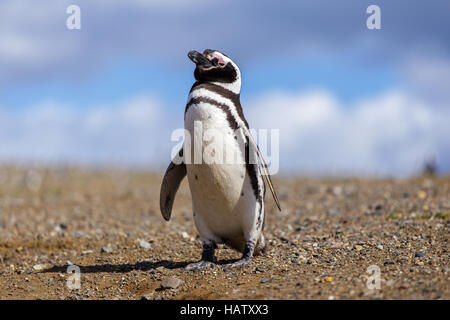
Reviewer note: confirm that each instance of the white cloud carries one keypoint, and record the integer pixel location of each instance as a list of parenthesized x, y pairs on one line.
[(129, 132), (389, 134)]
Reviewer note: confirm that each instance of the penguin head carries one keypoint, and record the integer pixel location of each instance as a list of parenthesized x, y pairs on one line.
[(214, 66)]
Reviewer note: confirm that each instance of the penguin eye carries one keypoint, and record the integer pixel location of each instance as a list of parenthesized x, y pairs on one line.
[(218, 61), (215, 61)]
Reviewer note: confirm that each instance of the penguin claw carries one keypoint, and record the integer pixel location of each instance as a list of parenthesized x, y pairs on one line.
[(196, 266), (237, 264)]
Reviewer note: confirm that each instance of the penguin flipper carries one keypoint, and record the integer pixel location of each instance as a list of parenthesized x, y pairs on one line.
[(175, 173), (266, 171)]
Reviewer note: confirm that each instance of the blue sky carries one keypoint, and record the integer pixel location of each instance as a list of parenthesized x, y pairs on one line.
[(100, 95), (123, 78)]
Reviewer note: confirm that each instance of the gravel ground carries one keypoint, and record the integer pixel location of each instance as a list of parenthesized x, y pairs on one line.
[(329, 233)]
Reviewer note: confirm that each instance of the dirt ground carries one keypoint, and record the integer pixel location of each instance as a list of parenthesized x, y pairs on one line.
[(329, 233)]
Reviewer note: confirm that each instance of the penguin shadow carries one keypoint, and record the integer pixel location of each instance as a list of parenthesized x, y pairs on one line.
[(128, 267)]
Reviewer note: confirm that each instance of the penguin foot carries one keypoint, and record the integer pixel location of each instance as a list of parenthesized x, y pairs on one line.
[(237, 264), (208, 259), (246, 257), (196, 266)]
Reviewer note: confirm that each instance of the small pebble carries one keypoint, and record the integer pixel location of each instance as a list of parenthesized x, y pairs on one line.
[(171, 283), (77, 234), (147, 296), (40, 267), (337, 190), (144, 244), (419, 255), (333, 211), (107, 249), (421, 194)]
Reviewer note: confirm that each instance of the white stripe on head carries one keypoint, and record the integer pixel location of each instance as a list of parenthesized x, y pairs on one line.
[(235, 86)]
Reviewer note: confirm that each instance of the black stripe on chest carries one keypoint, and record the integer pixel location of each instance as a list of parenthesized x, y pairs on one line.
[(230, 118), (233, 97)]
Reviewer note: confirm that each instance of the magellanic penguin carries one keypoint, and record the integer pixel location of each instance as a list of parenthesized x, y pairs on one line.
[(227, 199)]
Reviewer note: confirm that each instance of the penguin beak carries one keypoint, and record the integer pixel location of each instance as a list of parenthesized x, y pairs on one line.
[(199, 59)]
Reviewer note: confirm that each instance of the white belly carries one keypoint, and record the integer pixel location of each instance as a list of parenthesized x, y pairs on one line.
[(222, 195)]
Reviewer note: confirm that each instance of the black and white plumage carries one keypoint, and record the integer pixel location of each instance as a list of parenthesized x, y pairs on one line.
[(227, 198)]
